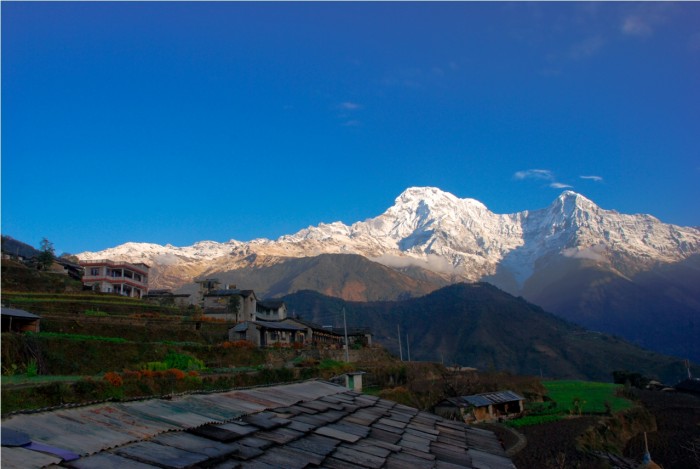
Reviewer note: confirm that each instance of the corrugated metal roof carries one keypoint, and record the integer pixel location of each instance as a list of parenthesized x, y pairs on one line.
[(18, 313), (485, 399), (309, 424)]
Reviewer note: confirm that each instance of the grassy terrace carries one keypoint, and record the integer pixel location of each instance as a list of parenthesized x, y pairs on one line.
[(574, 398), (57, 303)]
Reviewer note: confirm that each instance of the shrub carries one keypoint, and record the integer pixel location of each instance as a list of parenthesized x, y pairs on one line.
[(239, 344), (32, 368), (114, 379), (95, 313), (174, 373), (182, 361)]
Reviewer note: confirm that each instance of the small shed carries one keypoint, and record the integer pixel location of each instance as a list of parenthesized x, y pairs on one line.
[(18, 320), (482, 407), (353, 380)]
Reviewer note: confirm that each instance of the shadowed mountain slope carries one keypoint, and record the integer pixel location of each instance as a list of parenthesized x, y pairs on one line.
[(479, 325)]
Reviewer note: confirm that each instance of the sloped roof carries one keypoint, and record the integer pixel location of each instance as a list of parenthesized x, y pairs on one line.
[(309, 424), (279, 325), (485, 399), (270, 304), (234, 292), (18, 313)]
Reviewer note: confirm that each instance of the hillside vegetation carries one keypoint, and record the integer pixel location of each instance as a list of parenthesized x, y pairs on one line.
[(481, 326)]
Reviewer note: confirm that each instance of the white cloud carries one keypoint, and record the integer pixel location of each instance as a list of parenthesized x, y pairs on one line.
[(592, 178), (166, 259), (636, 26), (431, 262), (560, 185), (586, 48), (534, 174), (595, 253), (349, 106)]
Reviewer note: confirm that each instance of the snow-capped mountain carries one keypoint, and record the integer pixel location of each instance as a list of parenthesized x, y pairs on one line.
[(459, 238)]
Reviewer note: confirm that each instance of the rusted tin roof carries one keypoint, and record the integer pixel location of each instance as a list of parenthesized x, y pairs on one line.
[(309, 424)]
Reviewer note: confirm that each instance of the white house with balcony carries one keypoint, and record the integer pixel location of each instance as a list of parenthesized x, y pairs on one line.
[(122, 278)]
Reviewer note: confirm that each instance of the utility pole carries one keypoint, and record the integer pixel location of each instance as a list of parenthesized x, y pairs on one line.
[(408, 347), (347, 347), (398, 330)]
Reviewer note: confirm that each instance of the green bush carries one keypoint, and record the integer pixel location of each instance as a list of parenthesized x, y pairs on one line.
[(32, 368), (95, 313), (183, 362)]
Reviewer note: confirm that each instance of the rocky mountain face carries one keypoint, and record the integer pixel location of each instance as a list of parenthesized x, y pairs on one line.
[(348, 276), (625, 274)]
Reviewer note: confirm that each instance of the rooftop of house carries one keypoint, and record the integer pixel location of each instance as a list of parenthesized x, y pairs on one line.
[(270, 304), (18, 313), (233, 292), (308, 424), (285, 325), (340, 331), (485, 399)]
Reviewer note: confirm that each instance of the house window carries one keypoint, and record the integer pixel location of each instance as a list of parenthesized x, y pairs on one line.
[(95, 271)]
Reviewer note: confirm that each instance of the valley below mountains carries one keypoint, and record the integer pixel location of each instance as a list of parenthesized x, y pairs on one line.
[(629, 275)]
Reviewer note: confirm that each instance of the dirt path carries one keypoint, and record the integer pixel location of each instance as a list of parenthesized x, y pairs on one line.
[(512, 440)]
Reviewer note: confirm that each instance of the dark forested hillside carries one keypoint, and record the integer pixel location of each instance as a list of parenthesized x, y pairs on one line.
[(479, 325)]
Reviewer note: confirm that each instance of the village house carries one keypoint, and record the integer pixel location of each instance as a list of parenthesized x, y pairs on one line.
[(483, 407), (168, 298), (230, 305), (17, 320), (266, 322), (271, 310), (266, 333), (122, 278), (291, 331)]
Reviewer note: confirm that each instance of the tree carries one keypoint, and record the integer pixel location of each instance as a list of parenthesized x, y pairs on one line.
[(234, 305), (47, 255)]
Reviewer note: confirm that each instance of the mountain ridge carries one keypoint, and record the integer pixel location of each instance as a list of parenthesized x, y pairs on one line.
[(597, 267), (482, 326), (436, 230)]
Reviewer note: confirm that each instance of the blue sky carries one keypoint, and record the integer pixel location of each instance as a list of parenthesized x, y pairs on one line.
[(180, 122)]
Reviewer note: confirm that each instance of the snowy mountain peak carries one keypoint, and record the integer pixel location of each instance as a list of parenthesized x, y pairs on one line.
[(436, 230), (425, 202), (569, 203)]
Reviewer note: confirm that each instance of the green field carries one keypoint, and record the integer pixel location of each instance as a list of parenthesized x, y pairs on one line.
[(574, 398), (594, 396)]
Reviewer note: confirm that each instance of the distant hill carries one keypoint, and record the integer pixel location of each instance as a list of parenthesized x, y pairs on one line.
[(657, 309), (481, 326), (347, 276), (14, 247)]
